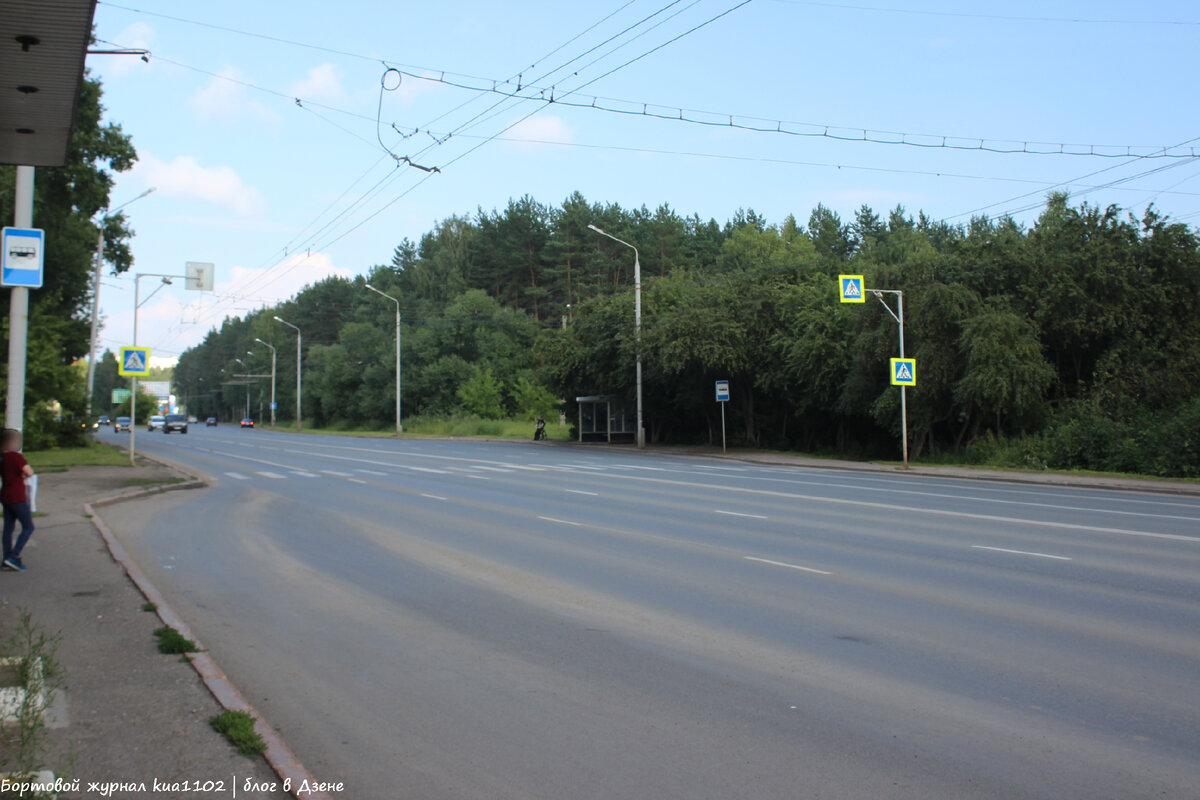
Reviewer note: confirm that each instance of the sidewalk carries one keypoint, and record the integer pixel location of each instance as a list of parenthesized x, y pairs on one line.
[(126, 712)]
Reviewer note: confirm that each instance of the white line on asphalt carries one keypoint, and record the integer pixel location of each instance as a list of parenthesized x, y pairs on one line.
[(432, 496), (1020, 552), (355, 480), (639, 466), (731, 469), (478, 477), (372, 472), (738, 514), (561, 521), (303, 474), (334, 472), (581, 491), (427, 469), (274, 475), (237, 475), (789, 566), (493, 469)]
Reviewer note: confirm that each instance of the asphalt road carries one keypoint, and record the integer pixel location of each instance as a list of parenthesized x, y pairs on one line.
[(453, 619)]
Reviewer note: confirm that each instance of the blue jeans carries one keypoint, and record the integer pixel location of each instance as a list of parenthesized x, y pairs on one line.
[(12, 513)]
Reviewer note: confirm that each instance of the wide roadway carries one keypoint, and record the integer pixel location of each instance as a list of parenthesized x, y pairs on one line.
[(455, 619)]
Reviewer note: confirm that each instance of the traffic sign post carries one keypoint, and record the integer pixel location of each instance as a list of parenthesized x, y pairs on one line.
[(903, 372), (722, 398), (23, 257)]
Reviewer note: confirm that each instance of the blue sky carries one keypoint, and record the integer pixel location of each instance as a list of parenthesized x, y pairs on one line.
[(265, 188)]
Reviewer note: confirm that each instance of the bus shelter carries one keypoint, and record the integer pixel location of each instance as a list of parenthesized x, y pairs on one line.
[(605, 418)]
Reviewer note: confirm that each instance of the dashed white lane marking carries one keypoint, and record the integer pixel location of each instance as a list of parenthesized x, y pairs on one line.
[(1020, 552), (356, 480), (302, 474), (478, 477), (495, 469), (428, 469), (334, 472), (432, 496), (561, 521), (274, 475), (738, 514), (639, 466), (372, 472), (581, 491), (789, 566), (239, 476)]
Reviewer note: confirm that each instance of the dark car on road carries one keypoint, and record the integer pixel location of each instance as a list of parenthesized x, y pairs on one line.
[(175, 422), (211, 422), (122, 424), (103, 420), (247, 423)]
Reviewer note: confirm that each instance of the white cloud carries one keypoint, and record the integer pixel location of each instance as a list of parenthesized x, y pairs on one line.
[(184, 177), (322, 84), (540, 128), (176, 319), (224, 98)]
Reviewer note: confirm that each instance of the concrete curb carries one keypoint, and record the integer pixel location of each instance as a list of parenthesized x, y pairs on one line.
[(285, 763)]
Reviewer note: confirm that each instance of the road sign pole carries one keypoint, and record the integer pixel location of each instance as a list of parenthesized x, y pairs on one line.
[(722, 427), (133, 380), (18, 314), (903, 389)]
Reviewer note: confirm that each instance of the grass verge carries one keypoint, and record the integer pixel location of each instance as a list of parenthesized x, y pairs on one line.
[(173, 642), (459, 428), (238, 728), (93, 454), (151, 481)]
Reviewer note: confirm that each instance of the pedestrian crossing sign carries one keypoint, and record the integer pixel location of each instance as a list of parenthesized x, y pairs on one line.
[(852, 288), (904, 372), (135, 361)]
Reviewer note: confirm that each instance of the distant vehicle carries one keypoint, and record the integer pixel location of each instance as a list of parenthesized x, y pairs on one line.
[(247, 423), (123, 424), (211, 422), (175, 422), (103, 420), (192, 420), (156, 422)]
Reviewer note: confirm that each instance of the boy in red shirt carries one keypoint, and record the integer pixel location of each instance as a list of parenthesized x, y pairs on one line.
[(14, 469)]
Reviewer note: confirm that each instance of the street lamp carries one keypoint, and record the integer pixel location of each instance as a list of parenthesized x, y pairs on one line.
[(399, 428), (245, 366), (137, 282), (260, 341), (299, 340), (91, 373), (637, 323)]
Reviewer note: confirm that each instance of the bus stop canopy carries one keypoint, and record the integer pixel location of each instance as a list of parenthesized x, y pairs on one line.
[(43, 44)]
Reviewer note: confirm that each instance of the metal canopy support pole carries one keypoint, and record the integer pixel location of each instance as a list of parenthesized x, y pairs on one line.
[(18, 314)]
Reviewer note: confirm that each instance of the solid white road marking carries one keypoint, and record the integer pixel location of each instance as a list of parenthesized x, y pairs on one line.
[(239, 476), (561, 521), (334, 472), (303, 474), (789, 566), (495, 469), (478, 477), (274, 475), (1020, 552), (738, 514), (372, 472), (428, 469), (432, 496), (356, 480), (580, 491)]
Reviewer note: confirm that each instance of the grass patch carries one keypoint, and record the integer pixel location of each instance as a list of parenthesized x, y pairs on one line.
[(148, 606), (151, 481), (94, 454), (457, 427), (173, 642), (238, 728), (41, 513)]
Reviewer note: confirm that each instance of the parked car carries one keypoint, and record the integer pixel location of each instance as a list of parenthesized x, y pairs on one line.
[(122, 424), (175, 422), (211, 422), (103, 420), (247, 423), (156, 422)]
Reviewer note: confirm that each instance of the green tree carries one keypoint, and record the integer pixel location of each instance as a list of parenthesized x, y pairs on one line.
[(482, 395)]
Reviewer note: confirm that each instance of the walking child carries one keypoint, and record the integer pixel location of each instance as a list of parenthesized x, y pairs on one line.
[(14, 469)]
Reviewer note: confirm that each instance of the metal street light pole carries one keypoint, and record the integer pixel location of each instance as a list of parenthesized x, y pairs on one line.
[(245, 366), (137, 282), (637, 322), (299, 340), (260, 341), (399, 427), (91, 373), (899, 317)]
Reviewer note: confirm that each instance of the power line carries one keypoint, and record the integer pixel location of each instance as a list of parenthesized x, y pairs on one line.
[(976, 15)]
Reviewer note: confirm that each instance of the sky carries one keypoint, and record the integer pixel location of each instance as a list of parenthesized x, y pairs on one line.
[(287, 142)]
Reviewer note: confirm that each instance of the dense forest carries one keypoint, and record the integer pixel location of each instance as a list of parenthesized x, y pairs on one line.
[(1071, 343)]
